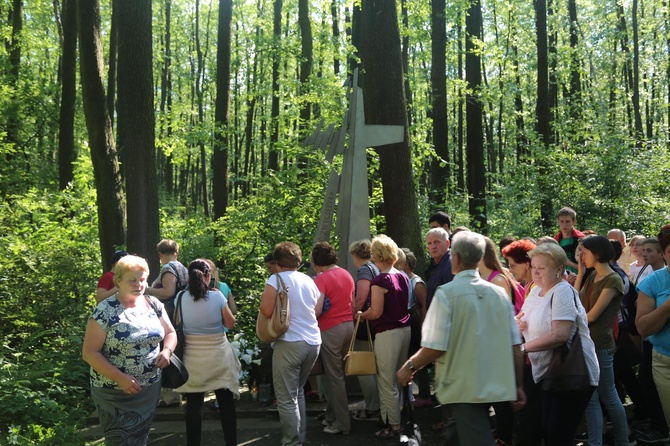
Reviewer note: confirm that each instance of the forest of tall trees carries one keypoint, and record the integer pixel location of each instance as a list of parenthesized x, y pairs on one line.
[(522, 110), (125, 121)]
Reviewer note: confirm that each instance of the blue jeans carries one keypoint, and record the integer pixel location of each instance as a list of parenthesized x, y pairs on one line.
[(606, 392)]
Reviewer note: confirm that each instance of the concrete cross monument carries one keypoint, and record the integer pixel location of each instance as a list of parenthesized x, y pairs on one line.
[(351, 186)]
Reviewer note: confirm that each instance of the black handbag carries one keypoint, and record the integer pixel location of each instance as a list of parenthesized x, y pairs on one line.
[(175, 374), (411, 435), (567, 370)]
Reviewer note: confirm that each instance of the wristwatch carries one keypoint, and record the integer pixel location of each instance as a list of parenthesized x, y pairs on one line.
[(522, 347), (410, 365)]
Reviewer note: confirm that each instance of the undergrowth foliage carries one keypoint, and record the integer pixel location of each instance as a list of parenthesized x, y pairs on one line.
[(48, 272)]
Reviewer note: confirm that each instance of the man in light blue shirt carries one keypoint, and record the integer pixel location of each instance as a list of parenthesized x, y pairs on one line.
[(471, 335)]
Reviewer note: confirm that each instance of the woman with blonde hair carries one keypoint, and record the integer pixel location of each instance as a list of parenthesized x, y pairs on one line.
[(121, 345), (390, 321), (636, 251), (551, 315)]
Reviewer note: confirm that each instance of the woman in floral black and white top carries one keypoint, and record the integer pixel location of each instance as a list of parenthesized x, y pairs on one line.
[(122, 346)]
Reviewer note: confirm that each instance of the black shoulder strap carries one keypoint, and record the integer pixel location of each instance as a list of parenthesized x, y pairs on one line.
[(372, 270), (640, 273), (151, 304), (175, 273), (177, 310)]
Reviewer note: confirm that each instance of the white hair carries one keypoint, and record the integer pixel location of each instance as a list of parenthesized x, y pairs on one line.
[(470, 248)]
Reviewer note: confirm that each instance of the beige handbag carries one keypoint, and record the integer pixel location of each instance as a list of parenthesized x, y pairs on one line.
[(363, 362), (268, 330)]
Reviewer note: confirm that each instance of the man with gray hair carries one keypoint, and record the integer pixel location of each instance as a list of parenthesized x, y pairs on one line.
[(471, 334), (437, 242)]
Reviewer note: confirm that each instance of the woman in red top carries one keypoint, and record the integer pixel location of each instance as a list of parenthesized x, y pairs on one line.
[(335, 322)]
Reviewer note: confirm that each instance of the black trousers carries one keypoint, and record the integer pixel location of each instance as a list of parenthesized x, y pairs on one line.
[(194, 404)]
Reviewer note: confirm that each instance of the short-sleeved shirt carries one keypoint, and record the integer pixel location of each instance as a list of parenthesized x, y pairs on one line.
[(559, 303), (302, 296), (225, 289), (202, 317), (439, 275), (657, 286), (132, 339), (176, 269), (413, 282), (367, 271), (338, 285), (396, 298), (472, 321), (601, 328), (107, 281)]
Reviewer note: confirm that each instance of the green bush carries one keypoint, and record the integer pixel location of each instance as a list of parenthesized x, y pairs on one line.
[(47, 278)]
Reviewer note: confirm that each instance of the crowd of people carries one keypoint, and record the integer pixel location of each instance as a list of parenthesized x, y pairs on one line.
[(486, 318)]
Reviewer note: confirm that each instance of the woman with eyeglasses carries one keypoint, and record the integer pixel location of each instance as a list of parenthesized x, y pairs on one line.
[(529, 431), (518, 262), (636, 250)]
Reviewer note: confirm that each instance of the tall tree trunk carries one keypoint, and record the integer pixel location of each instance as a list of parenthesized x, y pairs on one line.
[(306, 57), (273, 156), (543, 123), (136, 125), (14, 49), (221, 113), (355, 36), (385, 105), (629, 72), (109, 197), (575, 92), (439, 165), (553, 69), (199, 92), (305, 72), (461, 111), (165, 161), (473, 111), (405, 59), (66, 151), (113, 58), (334, 12), (639, 131), (521, 140)]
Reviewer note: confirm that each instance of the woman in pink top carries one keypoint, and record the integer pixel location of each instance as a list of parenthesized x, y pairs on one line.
[(492, 270), (335, 322)]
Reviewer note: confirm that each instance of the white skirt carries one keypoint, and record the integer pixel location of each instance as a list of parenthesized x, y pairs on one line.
[(211, 364)]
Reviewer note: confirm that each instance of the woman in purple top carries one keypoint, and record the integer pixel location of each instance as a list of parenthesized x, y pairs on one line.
[(389, 320)]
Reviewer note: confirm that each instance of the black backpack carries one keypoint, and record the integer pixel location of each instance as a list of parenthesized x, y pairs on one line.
[(628, 304)]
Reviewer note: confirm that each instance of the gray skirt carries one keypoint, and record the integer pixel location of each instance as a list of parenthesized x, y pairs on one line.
[(126, 419)]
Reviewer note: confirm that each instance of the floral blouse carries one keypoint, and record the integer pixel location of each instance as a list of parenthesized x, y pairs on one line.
[(132, 342)]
